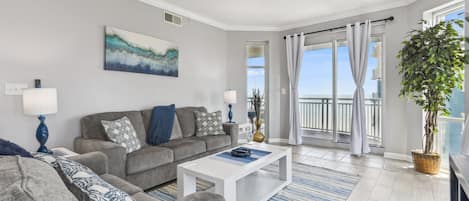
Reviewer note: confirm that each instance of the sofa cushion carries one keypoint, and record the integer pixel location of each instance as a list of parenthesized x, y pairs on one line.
[(122, 132), (213, 142), (91, 127), (147, 158), (28, 179), (176, 133), (185, 148), (121, 184), (9, 148), (186, 119), (82, 181)]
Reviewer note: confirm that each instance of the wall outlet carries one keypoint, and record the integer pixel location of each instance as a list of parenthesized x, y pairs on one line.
[(15, 89)]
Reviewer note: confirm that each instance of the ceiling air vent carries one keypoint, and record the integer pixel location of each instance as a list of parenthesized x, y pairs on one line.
[(172, 19)]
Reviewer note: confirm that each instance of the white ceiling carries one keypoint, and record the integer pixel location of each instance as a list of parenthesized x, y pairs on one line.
[(271, 15)]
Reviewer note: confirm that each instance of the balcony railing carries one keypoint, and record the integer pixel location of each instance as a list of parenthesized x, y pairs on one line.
[(316, 114)]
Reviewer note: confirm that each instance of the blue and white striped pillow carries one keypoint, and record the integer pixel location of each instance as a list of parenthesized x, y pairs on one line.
[(83, 178)]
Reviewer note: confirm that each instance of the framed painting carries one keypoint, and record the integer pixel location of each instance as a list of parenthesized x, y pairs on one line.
[(138, 53)]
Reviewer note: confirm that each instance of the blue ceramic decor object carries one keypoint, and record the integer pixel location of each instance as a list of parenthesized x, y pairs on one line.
[(230, 114), (42, 134), (241, 152)]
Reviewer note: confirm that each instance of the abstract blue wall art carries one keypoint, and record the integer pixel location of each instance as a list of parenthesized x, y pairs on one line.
[(137, 53)]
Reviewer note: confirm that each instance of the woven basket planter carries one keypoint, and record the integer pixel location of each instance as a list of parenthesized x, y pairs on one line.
[(426, 163)]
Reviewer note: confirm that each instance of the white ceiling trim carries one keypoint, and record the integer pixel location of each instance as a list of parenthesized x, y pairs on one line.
[(349, 13), (198, 17), (184, 12)]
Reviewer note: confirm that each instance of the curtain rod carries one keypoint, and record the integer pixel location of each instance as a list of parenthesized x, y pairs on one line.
[(343, 27)]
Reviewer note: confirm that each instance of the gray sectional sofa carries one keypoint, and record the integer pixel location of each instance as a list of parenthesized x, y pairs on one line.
[(26, 179), (98, 162), (151, 165)]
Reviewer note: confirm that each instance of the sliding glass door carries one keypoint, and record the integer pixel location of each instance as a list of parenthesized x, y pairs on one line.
[(315, 91), (326, 91)]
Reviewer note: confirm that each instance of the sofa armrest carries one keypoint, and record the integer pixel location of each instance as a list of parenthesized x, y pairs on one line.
[(232, 129), (96, 161), (115, 153)]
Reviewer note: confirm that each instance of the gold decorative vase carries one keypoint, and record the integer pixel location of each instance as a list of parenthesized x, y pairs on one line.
[(258, 135)]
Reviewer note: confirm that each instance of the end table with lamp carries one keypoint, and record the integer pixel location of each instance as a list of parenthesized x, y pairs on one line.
[(230, 98), (40, 102)]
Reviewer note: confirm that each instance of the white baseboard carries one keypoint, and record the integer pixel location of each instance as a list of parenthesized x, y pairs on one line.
[(242, 141), (277, 140), (396, 156), (270, 140)]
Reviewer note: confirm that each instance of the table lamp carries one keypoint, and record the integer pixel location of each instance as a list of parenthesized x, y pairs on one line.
[(40, 102), (230, 98)]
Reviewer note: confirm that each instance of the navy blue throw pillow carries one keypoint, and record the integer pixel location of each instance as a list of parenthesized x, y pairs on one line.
[(161, 124), (9, 148)]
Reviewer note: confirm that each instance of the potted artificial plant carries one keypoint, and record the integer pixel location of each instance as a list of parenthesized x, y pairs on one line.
[(432, 65)]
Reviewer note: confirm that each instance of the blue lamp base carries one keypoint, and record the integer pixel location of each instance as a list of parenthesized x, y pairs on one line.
[(42, 134), (230, 114)]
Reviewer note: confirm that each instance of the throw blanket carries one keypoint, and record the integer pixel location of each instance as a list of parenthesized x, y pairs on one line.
[(161, 124)]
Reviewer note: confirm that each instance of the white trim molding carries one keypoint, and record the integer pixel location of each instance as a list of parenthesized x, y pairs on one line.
[(184, 12), (277, 140), (270, 140), (397, 156), (233, 27)]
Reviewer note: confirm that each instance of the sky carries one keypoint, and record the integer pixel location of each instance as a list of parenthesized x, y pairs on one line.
[(255, 75), (316, 71), (316, 74)]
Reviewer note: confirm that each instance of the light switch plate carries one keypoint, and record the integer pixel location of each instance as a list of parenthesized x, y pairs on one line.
[(15, 89), (283, 91)]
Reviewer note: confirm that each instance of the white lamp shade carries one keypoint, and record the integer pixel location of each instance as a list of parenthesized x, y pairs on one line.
[(230, 97), (40, 101)]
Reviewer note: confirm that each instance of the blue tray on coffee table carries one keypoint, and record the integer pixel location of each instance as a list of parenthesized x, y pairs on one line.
[(255, 154)]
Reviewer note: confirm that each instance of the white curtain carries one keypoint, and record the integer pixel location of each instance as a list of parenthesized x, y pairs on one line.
[(294, 46), (358, 37)]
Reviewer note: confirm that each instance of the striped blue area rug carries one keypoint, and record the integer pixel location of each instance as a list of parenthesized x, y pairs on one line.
[(309, 183)]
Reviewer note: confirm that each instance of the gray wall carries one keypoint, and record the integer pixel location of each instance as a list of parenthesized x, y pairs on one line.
[(402, 120), (61, 42), (237, 75)]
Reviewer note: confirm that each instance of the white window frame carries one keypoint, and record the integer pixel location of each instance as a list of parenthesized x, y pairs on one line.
[(334, 45), (436, 15)]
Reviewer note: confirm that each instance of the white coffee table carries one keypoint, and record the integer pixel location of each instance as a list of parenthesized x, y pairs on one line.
[(243, 182)]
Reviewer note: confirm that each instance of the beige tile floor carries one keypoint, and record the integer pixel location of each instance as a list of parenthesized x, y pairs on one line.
[(381, 179)]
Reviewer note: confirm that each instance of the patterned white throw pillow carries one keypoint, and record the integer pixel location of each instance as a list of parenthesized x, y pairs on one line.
[(121, 131), (83, 178), (208, 123)]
